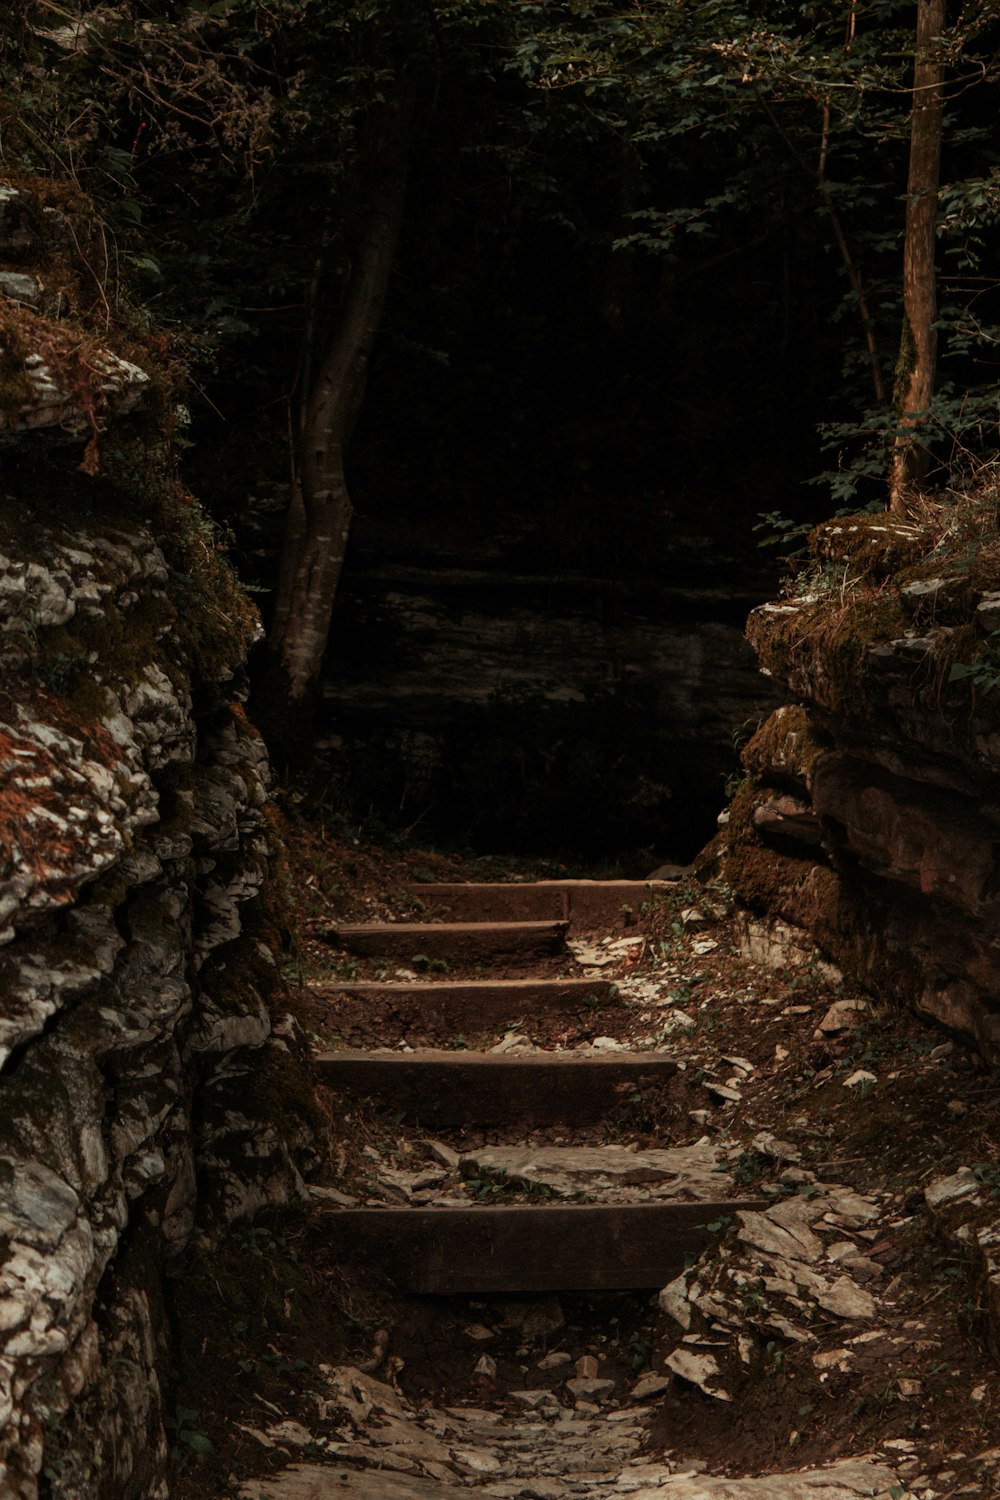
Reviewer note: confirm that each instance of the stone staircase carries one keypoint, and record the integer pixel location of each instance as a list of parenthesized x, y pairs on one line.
[(583, 1216)]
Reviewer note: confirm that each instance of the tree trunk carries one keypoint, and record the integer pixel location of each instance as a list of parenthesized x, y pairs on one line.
[(917, 363), (319, 515)]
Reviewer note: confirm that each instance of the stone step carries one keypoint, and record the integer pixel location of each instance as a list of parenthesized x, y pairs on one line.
[(684, 1174), (455, 942), (485, 1002), (440, 1088), (578, 1247), (611, 905)]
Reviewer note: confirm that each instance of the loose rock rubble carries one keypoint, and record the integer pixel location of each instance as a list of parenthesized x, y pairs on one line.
[(384, 1449)]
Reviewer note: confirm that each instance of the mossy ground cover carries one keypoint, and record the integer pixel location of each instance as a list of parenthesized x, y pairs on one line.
[(869, 579)]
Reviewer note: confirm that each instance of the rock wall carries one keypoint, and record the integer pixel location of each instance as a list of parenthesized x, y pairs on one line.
[(138, 1059), (497, 692), (870, 816)]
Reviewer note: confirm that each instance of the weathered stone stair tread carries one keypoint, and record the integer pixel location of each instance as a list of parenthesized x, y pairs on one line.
[(584, 903), (486, 1000), (449, 939), (577, 1247), (438, 1086), (684, 1173)]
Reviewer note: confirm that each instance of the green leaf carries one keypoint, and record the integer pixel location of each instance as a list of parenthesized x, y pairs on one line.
[(196, 1441)]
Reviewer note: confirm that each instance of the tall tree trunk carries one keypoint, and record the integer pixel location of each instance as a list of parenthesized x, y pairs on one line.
[(917, 364), (320, 511)]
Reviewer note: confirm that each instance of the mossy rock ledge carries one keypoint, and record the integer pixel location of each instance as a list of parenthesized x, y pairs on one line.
[(869, 819), (136, 980)]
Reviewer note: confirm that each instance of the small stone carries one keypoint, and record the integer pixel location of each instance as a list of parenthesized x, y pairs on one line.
[(909, 1388), (648, 1385), (774, 1149), (924, 588), (962, 1184), (700, 1370), (586, 1367), (476, 1460), (487, 1366), (845, 1299), (554, 1360), (534, 1399), (978, 1393), (607, 1044), (857, 1079), (843, 1015), (20, 288), (675, 1300), (514, 1041), (833, 1359), (957, 1108), (479, 1332), (724, 1092), (589, 1389)]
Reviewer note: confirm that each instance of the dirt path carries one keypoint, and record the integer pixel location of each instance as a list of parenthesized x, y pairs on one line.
[(828, 1341)]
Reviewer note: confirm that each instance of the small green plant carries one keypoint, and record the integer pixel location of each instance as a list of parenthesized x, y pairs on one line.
[(984, 673), (754, 1301), (421, 961), (347, 969), (751, 1167), (283, 1366), (258, 1239), (60, 671), (188, 1437), (734, 782), (595, 1001), (488, 1187), (779, 531), (988, 1174), (639, 1347)]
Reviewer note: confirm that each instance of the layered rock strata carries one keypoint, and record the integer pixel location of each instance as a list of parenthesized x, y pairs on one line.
[(870, 816)]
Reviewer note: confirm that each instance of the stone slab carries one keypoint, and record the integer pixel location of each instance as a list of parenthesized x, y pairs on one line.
[(541, 1248), (684, 1173), (456, 942), (334, 1481), (437, 1087), (848, 1480)]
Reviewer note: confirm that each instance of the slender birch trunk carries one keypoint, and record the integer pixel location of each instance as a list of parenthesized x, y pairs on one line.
[(319, 516)]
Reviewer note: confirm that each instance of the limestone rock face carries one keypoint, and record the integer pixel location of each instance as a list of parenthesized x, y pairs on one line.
[(871, 816), (134, 986), (55, 380), (439, 648)]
